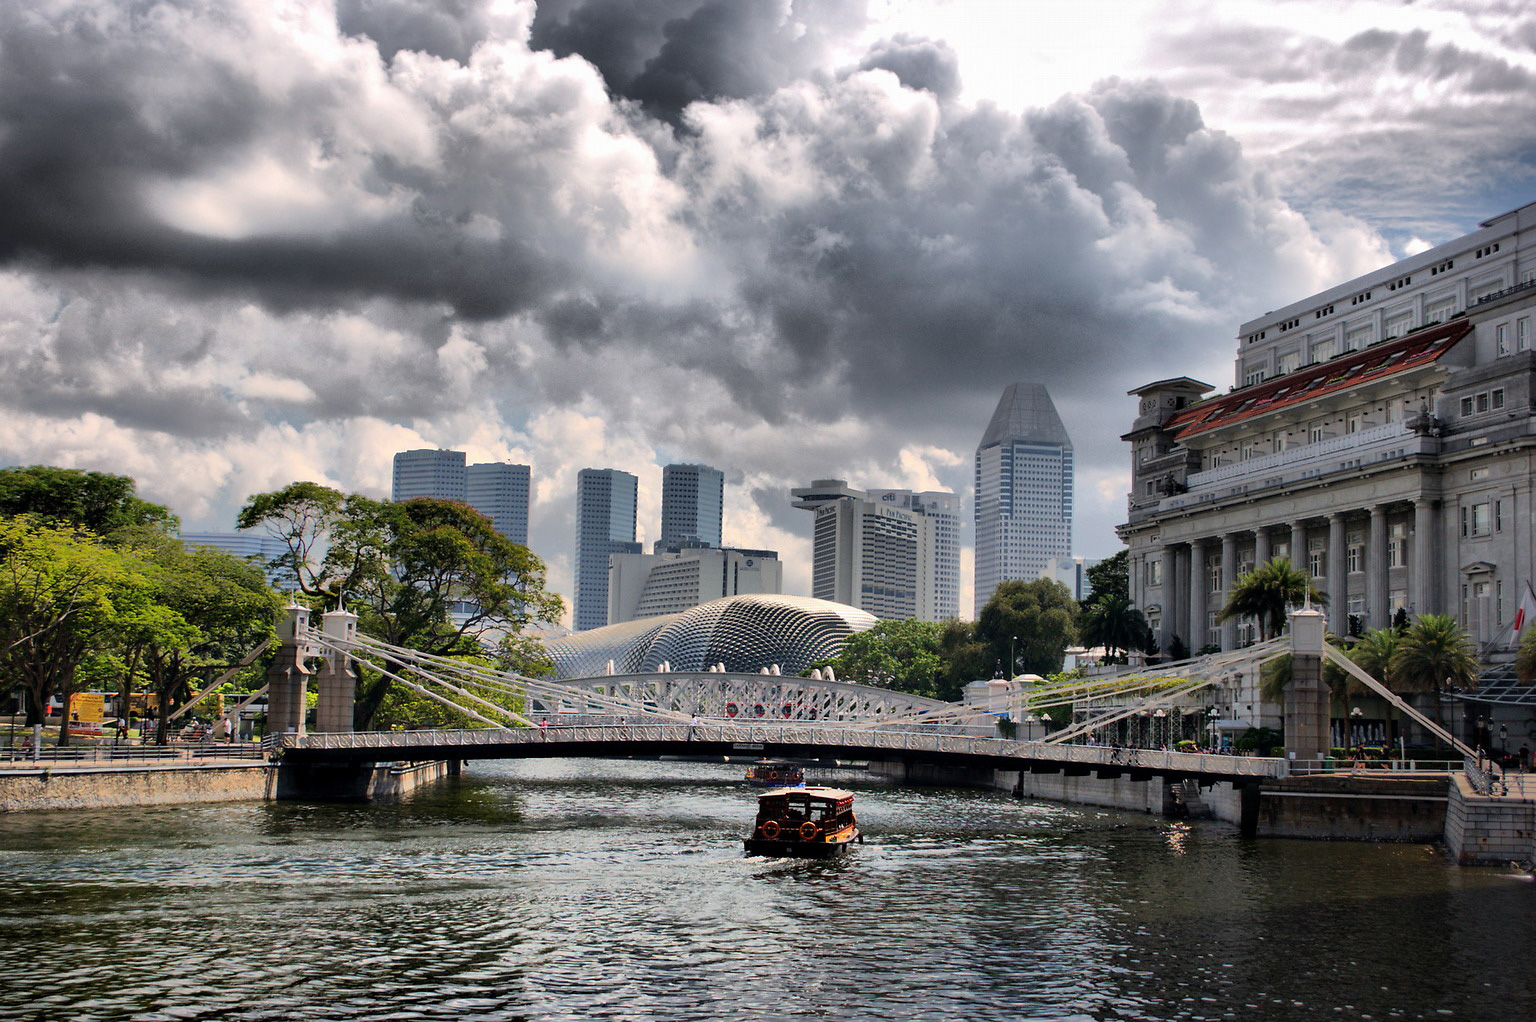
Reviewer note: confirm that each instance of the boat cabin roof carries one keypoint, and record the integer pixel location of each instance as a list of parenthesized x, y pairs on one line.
[(809, 794)]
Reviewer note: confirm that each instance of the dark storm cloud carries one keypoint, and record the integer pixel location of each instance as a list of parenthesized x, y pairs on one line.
[(91, 121), (443, 28), (918, 63), (666, 54)]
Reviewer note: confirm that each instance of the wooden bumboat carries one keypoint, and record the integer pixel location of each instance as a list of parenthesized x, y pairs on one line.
[(806, 823), (772, 773)]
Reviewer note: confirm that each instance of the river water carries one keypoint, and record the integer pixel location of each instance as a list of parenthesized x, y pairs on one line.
[(579, 890)]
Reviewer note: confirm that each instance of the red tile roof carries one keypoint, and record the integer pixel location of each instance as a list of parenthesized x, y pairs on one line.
[(1374, 363)]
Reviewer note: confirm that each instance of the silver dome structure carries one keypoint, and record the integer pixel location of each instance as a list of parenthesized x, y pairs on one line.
[(746, 633)]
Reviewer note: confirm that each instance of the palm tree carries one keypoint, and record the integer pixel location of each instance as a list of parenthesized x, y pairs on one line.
[(1267, 593), (1525, 659), (1275, 676), (1114, 623), (1373, 653), (1433, 653)]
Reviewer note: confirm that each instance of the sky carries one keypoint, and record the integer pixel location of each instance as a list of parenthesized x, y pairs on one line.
[(247, 242)]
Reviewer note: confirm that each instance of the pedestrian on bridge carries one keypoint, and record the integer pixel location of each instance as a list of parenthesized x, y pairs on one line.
[(692, 726)]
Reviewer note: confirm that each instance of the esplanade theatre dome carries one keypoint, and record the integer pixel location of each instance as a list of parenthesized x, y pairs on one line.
[(745, 633)]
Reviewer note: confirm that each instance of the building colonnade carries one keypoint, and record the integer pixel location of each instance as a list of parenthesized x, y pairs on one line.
[(1370, 562)]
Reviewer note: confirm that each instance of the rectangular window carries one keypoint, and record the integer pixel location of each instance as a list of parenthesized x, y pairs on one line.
[(1358, 338), (1154, 571), (1279, 550), (1522, 333), (1501, 339), (1440, 311), (1498, 516), (1399, 324), (1397, 600), (1477, 519), (1482, 402), (1213, 573), (1315, 433), (1397, 546), (1317, 558), (1354, 554), (1322, 351), (1498, 600), (1496, 399), (1466, 406)]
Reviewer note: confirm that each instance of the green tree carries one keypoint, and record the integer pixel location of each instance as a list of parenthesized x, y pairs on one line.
[(1267, 593), (966, 658), (1433, 653), (1114, 623), (430, 575), (905, 656), (64, 598), (1525, 658), (94, 501), (210, 609), (1032, 622), (1110, 577)]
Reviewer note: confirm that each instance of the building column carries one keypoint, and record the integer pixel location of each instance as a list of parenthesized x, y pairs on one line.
[(1338, 577), (1228, 579), (1376, 570), (1299, 545), (1171, 596), (1260, 545), (1423, 597), (1198, 584)]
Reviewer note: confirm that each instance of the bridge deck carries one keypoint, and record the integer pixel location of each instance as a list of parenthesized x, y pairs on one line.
[(930, 745)]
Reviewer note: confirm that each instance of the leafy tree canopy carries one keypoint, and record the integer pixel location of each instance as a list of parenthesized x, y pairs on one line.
[(906, 656), (1110, 577), (95, 501), (1033, 621), (1267, 593), (432, 575)]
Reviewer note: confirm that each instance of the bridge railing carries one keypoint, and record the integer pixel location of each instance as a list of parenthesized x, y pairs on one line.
[(752, 737)]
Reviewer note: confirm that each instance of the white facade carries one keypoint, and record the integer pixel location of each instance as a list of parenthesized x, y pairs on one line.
[(650, 585), (1024, 479), (883, 551), (1381, 436)]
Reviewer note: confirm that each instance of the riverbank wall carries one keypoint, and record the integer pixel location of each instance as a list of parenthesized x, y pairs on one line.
[(1334, 807), (102, 787), (1491, 830)]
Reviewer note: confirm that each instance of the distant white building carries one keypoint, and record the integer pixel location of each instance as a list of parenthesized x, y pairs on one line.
[(893, 553), (261, 548), (1071, 572), (670, 582)]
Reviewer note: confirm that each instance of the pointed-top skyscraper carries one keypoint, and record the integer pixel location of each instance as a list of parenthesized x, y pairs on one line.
[(1023, 490)]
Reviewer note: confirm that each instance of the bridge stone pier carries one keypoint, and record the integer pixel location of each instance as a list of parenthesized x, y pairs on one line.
[(1307, 736), (287, 675)]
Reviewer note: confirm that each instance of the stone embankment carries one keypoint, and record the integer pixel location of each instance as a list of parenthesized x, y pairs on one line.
[(27, 787)]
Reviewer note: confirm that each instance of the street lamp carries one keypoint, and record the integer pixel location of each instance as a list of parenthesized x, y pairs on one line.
[(1013, 665), (1214, 713), (1030, 720), (1354, 726), (1503, 741), (1157, 718)]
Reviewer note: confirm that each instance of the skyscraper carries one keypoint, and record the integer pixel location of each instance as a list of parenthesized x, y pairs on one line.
[(605, 525), (499, 491), (1023, 490), (429, 473), (692, 499), (893, 553)]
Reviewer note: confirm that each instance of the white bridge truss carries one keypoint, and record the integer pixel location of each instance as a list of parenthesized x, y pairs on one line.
[(497, 698)]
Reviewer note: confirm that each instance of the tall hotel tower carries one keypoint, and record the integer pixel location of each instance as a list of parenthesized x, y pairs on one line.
[(692, 504), (497, 490), (1023, 490), (605, 525)]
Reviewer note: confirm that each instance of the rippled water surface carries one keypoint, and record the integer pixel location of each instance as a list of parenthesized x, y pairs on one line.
[(580, 890)]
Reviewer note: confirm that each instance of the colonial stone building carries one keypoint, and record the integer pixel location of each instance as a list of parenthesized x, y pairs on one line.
[(1381, 434)]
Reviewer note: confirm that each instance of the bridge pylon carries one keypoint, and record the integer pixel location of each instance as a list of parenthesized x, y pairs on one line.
[(336, 684), (287, 676), (1307, 736)]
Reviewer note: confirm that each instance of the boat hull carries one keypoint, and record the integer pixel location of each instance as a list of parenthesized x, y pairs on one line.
[(781, 849)]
